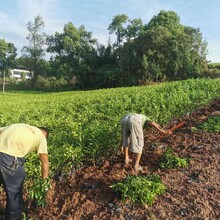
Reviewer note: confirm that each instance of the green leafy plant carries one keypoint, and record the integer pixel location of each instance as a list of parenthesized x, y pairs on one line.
[(38, 190), (211, 125), (140, 189), (24, 217), (85, 124), (193, 129), (169, 160)]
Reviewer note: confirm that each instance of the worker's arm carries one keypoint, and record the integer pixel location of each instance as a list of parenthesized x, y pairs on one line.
[(44, 165), (159, 128)]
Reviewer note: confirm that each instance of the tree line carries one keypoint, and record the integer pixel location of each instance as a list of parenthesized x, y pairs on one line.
[(161, 50)]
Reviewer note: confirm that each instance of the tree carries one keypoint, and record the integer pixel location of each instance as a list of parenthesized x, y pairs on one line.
[(74, 50), (127, 31), (35, 50), (117, 27), (163, 49), (168, 19), (7, 57), (134, 28), (173, 50), (107, 70)]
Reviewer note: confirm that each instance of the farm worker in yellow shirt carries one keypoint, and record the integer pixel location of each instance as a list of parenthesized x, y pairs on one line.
[(133, 126), (16, 141)]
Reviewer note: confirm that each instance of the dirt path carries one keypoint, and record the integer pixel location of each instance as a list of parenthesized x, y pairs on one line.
[(192, 192)]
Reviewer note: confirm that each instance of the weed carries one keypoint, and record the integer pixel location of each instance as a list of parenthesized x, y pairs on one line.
[(169, 160), (140, 189), (38, 191), (211, 125)]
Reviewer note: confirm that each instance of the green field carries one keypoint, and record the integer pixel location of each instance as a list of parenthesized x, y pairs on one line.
[(85, 125)]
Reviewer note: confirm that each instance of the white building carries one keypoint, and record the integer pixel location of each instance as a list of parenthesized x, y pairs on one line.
[(20, 73)]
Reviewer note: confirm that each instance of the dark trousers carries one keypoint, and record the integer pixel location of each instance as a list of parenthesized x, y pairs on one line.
[(12, 177)]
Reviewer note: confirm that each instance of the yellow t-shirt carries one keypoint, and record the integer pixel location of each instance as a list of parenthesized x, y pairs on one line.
[(20, 139)]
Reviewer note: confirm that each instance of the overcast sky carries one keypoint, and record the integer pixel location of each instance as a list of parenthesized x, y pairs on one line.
[(97, 15)]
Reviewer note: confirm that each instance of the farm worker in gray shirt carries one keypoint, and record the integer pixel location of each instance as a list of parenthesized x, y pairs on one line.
[(16, 141), (133, 126)]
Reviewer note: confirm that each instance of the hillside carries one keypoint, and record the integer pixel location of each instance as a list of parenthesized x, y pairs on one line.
[(192, 192)]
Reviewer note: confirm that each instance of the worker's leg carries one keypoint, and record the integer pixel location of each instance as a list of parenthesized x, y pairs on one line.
[(126, 153), (13, 177), (14, 205), (125, 138), (137, 139), (136, 165)]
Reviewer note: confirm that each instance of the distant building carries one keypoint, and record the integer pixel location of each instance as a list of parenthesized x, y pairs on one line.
[(20, 74)]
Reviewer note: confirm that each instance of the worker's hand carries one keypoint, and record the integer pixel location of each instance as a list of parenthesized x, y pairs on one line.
[(52, 183), (169, 132)]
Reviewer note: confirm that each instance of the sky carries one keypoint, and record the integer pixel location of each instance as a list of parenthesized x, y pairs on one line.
[(97, 15)]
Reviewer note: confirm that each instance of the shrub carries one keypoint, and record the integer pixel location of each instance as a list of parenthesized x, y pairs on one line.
[(38, 190), (140, 189), (211, 125), (169, 160), (51, 84)]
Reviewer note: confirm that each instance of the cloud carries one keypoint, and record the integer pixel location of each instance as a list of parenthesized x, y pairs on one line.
[(13, 22), (213, 51), (10, 27), (12, 31), (97, 15)]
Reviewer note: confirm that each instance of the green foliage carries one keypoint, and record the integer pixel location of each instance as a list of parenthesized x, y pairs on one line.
[(74, 54), (166, 19), (117, 27), (161, 50), (211, 125), (32, 166), (38, 190), (214, 65), (35, 50), (169, 160), (7, 55), (23, 75), (85, 126), (173, 51), (50, 84), (140, 189), (24, 217)]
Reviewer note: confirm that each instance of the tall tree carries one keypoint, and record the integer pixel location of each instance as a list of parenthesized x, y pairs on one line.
[(74, 50), (7, 55), (117, 27), (126, 30), (173, 51), (35, 50), (107, 71), (134, 28)]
